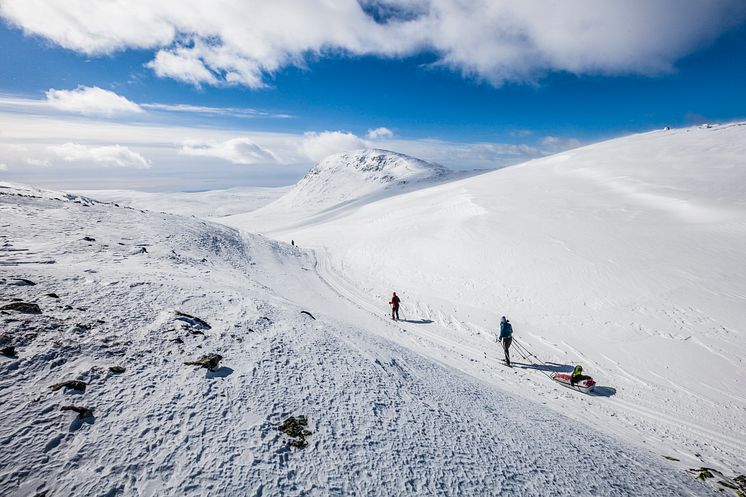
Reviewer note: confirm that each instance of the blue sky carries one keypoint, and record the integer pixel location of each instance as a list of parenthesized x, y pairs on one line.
[(262, 111)]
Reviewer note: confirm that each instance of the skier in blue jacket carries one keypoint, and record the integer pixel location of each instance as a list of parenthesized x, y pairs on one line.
[(506, 337)]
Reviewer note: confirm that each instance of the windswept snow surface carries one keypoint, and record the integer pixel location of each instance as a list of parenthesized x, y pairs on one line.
[(390, 414), (627, 257)]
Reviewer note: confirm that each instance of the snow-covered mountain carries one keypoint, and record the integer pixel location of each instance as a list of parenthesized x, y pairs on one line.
[(349, 176), (625, 256), (105, 310), (344, 180)]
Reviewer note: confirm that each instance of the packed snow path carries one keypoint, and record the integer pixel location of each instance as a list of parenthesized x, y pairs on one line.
[(386, 420)]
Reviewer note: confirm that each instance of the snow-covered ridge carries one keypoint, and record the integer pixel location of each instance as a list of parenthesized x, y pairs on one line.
[(7, 188)]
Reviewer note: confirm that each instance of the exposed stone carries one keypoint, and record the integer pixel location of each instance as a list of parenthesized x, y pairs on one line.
[(74, 384), (23, 282), (703, 473), (209, 361), (8, 351), (296, 428), (22, 307), (192, 320), (116, 369), (83, 412)]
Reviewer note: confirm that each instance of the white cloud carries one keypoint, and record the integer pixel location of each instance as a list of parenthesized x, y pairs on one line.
[(316, 146), (244, 112), (39, 134), (107, 155), (242, 41), (38, 162), (91, 101), (235, 150), (182, 64), (3, 167), (379, 133), (555, 144)]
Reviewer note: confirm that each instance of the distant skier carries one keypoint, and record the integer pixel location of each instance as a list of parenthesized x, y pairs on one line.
[(577, 375), (292, 242), (394, 307), (506, 337)]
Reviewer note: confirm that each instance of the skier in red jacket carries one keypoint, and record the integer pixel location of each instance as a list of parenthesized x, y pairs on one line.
[(394, 307)]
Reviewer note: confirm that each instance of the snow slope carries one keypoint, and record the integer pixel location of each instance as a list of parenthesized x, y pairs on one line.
[(390, 414), (344, 180), (626, 257)]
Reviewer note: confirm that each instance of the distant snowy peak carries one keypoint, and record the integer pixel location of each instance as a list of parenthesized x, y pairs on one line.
[(350, 175), (376, 166)]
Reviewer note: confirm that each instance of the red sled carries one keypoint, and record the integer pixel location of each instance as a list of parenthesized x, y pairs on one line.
[(585, 386)]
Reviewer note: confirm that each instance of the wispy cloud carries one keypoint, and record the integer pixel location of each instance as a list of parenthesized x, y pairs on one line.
[(243, 112), (108, 156), (37, 162), (74, 149), (91, 101), (316, 146), (553, 144), (235, 150), (97, 102), (379, 133), (240, 42)]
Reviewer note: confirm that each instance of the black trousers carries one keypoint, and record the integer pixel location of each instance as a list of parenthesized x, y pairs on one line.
[(507, 342), (580, 377), (395, 312)]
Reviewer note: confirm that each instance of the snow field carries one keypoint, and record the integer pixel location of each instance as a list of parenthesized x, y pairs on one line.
[(386, 419)]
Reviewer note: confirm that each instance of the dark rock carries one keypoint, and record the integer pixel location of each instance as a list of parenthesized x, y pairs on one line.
[(209, 361), (83, 412), (116, 369), (192, 320), (53, 295), (298, 443), (177, 340), (8, 351), (22, 307), (296, 428), (308, 314), (741, 482), (142, 250), (670, 458), (23, 282), (74, 384), (703, 473), (89, 239)]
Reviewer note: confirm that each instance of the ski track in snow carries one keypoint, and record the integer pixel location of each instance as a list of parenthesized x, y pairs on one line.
[(387, 419)]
